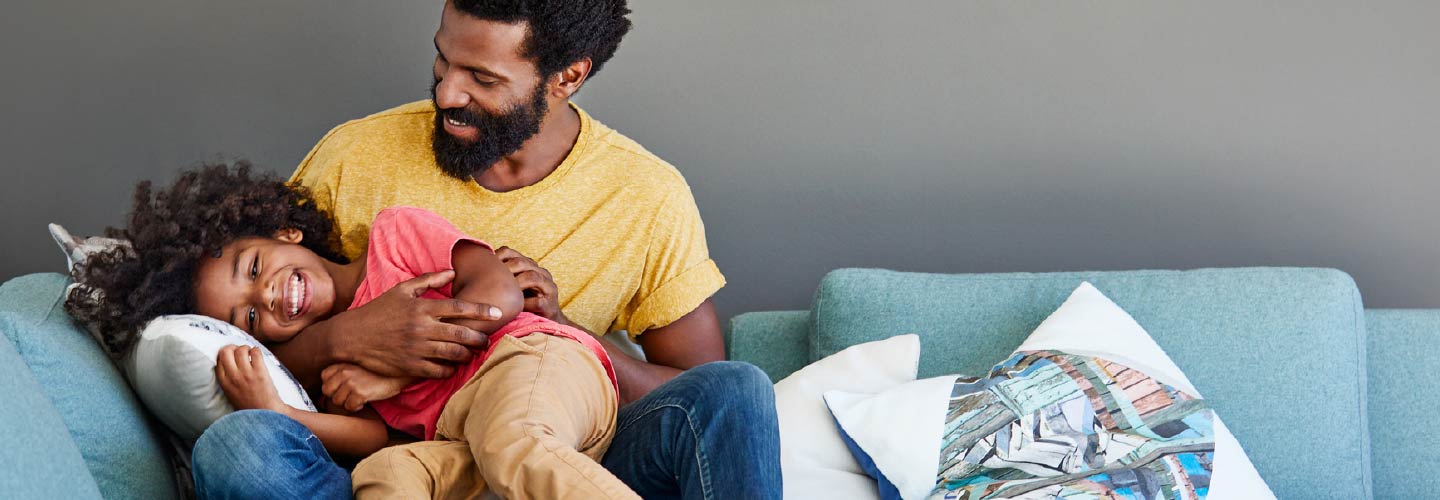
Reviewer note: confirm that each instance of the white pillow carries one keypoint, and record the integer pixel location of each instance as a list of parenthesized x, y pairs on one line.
[(172, 368), (899, 434), (813, 457)]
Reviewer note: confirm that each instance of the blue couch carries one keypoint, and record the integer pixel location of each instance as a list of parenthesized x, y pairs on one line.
[(1329, 400), (1327, 397)]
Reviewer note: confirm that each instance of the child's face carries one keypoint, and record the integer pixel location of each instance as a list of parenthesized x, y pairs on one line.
[(270, 287)]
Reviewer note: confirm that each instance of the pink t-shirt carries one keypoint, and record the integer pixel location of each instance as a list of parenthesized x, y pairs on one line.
[(406, 242)]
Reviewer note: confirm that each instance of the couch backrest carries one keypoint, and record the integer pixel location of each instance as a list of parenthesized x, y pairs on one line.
[(124, 454), (1404, 401), (1279, 352)]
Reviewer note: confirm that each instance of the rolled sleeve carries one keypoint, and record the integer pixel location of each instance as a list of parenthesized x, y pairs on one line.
[(676, 298)]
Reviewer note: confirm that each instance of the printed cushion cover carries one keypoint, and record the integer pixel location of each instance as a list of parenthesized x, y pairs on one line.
[(1088, 407)]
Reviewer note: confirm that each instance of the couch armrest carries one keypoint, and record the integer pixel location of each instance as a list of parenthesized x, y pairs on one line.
[(1404, 400), (776, 341)]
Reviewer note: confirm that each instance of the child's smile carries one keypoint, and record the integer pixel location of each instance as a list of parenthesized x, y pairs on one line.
[(270, 287)]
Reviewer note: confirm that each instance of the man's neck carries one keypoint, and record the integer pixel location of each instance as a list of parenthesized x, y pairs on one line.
[(539, 156)]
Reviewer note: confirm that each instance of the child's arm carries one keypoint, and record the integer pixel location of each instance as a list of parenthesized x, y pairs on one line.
[(480, 277), (247, 385), (352, 386)]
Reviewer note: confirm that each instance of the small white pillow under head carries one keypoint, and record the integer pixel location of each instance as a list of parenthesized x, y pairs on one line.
[(172, 368)]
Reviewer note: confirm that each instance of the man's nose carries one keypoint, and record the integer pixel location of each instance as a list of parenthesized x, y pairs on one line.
[(448, 94)]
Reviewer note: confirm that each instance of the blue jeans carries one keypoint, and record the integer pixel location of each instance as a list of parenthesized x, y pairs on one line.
[(710, 433)]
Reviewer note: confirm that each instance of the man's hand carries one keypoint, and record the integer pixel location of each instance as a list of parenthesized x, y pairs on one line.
[(687, 342), (351, 387), (400, 334), (542, 297), (245, 379)]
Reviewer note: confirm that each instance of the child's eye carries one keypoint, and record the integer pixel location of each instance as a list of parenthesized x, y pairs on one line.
[(254, 268), (251, 317)]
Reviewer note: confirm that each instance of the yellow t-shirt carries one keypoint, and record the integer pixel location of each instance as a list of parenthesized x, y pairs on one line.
[(616, 226)]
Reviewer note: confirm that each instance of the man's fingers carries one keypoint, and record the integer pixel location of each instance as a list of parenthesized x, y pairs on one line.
[(431, 369), (506, 253), (355, 403), (446, 351), (514, 261), (463, 309), (466, 337), (533, 280), (417, 286)]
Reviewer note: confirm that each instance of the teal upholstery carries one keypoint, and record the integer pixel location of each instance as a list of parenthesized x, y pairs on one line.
[(1404, 402), (126, 457), (41, 461), (1280, 352), (776, 341)]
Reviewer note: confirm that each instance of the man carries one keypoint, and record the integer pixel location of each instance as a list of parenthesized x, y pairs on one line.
[(601, 234)]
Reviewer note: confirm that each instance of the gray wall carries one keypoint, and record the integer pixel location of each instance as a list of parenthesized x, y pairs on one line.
[(928, 135)]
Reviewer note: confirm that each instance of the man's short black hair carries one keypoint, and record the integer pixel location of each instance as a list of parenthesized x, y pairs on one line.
[(560, 31)]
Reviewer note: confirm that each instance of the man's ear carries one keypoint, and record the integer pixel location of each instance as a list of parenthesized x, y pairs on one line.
[(568, 80), (289, 235)]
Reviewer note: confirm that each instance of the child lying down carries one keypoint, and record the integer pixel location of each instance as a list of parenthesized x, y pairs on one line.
[(527, 418)]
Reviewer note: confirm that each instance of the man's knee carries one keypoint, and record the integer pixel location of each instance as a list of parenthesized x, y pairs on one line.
[(734, 381)]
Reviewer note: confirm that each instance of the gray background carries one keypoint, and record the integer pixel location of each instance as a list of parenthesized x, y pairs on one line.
[(935, 135)]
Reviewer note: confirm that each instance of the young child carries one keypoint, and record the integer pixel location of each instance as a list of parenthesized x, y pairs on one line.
[(531, 416)]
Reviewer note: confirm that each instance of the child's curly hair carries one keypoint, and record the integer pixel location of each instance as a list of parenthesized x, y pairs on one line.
[(171, 230)]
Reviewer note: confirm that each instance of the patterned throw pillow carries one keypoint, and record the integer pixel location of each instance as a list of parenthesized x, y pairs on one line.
[(1089, 407)]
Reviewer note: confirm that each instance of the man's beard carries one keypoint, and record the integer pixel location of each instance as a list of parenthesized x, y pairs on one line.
[(500, 135)]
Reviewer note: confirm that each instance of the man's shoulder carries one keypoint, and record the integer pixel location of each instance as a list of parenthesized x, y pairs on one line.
[(633, 162)]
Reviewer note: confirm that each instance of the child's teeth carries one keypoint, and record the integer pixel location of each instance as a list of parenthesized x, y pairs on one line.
[(295, 295)]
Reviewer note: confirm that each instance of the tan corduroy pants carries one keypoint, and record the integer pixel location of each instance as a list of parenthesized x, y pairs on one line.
[(533, 422)]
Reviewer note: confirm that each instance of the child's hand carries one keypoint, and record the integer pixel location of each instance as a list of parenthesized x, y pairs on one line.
[(350, 386), (245, 380)]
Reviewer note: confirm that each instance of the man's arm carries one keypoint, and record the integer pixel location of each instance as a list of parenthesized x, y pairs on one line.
[(397, 334), (690, 341)]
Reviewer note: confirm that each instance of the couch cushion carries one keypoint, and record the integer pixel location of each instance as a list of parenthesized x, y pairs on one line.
[(1403, 402), (122, 451), (1280, 352), (41, 461)]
